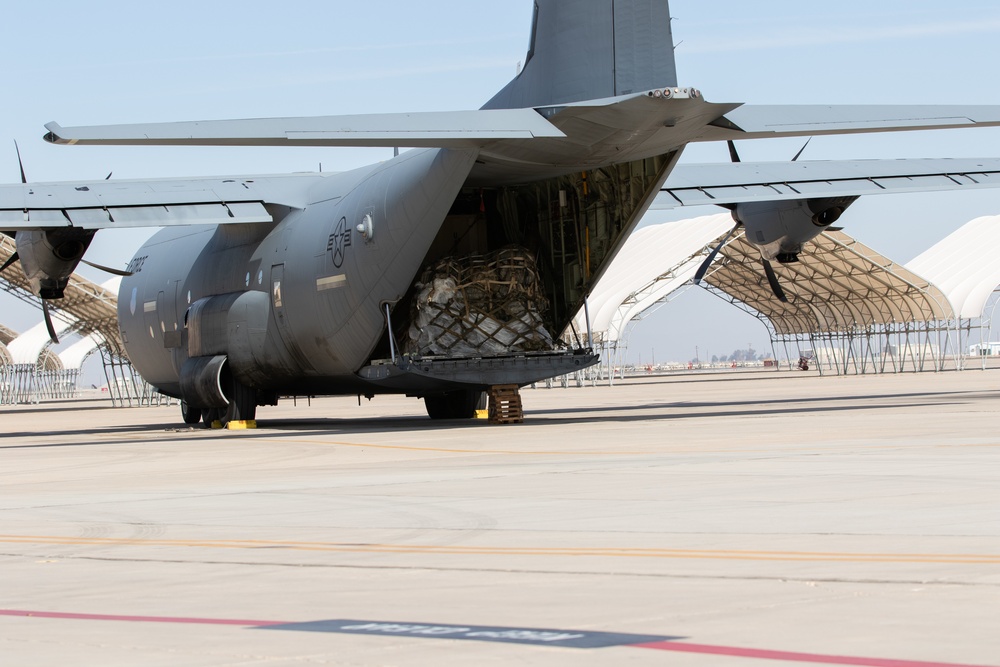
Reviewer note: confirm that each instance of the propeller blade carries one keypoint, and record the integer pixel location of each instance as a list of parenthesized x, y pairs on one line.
[(24, 179), (108, 177), (802, 149), (772, 280), (733, 155), (703, 269), (48, 322), (13, 258), (108, 269)]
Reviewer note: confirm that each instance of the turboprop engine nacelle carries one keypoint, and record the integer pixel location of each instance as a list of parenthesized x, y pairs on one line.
[(780, 228), (49, 257)]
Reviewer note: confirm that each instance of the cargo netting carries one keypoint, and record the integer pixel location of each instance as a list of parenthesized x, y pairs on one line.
[(479, 305)]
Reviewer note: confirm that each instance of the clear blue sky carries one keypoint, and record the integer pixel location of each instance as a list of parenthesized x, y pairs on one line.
[(118, 62)]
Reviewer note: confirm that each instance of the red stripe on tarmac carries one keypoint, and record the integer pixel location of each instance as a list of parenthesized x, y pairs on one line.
[(138, 619), (791, 656), (680, 647)]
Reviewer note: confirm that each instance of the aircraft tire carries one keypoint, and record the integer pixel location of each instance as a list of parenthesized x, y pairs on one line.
[(190, 415), (242, 404), (459, 404), (213, 415)]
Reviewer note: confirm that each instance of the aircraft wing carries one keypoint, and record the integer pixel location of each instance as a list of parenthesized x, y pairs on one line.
[(150, 203), (449, 129), (732, 183), (751, 121)]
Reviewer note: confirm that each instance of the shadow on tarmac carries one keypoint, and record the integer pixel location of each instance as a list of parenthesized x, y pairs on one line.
[(665, 412)]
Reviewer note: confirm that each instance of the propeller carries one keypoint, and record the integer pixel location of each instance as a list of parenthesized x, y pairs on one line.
[(108, 269), (802, 149), (48, 322), (772, 277), (45, 304), (703, 269), (16, 257), (13, 258), (735, 157), (24, 179), (772, 280)]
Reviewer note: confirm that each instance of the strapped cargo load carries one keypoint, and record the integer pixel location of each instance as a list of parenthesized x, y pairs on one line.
[(479, 305)]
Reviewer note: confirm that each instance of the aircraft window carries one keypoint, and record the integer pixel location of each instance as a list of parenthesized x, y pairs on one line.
[(260, 277), (247, 281)]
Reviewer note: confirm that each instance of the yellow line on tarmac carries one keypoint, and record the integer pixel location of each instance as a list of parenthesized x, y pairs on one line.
[(471, 550)]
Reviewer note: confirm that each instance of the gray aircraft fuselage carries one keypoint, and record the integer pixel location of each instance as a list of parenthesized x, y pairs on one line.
[(299, 306)]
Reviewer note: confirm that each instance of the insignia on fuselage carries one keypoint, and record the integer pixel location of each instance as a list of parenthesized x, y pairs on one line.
[(339, 241)]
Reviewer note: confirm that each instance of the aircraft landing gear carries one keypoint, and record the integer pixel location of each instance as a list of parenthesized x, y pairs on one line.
[(242, 403), (461, 404), (242, 407), (190, 415)]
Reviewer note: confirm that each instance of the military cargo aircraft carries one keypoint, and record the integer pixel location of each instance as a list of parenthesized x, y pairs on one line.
[(264, 286)]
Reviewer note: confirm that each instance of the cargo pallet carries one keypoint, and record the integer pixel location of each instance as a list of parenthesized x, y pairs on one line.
[(505, 404)]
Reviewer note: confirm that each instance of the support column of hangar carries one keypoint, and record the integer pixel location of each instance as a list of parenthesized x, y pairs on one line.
[(964, 265), (36, 371), (87, 309), (855, 309), (73, 358), (6, 363), (653, 263)]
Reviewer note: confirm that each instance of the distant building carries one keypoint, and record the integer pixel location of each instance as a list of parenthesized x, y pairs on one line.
[(984, 349)]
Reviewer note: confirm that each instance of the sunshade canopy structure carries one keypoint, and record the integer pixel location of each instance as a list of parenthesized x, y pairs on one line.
[(838, 285), (654, 262), (839, 292), (965, 265)]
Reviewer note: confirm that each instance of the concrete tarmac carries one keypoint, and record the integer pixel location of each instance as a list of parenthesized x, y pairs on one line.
[(737, 519)]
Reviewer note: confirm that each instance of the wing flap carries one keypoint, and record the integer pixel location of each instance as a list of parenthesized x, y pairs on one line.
[(157, 202), (450, 129), (698, 185), (23, 219), (136, 216), (191, 214)]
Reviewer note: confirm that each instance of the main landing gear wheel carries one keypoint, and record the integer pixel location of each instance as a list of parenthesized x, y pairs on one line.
[(461, 404), (242, 407), (190, 415), (242, 403)]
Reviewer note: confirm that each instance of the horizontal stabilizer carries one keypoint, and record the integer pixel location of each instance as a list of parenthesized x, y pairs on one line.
[(449, 129), (763, 121)]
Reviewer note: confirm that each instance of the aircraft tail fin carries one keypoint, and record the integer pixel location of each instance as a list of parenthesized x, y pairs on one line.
[(592, 49)]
